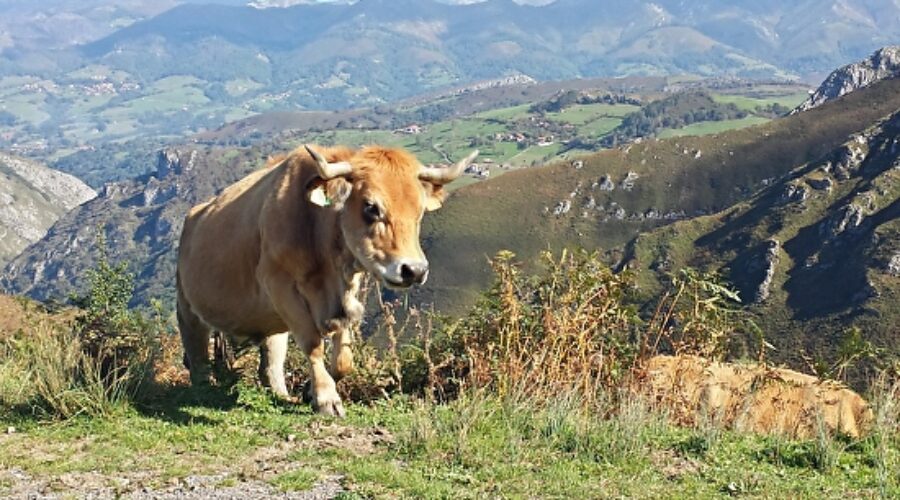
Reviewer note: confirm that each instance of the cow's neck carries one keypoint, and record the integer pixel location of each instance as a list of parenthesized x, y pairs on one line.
[(334, 253)]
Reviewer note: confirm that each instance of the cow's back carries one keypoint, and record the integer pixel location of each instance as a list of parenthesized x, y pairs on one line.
[(218, 257)]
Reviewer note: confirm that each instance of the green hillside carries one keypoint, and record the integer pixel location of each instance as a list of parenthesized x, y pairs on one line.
[(677, 178), (815, 253)]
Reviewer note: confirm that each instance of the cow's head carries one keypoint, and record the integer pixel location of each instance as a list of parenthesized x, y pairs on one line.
[(381, 194)]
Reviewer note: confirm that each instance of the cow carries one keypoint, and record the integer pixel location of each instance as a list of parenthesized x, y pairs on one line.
[(759, 398), (283, 252)]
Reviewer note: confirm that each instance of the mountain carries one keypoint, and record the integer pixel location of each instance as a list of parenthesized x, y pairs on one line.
[(654, 183), (196, 66), (618, 194), (139, 220), (884, 63), (592, 37), (32, 198), (815, 253)]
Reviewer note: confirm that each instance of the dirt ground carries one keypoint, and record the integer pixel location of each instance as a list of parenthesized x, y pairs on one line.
[(247, 478)]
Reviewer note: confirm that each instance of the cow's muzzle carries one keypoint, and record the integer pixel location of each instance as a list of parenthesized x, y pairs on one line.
[(406, 273)]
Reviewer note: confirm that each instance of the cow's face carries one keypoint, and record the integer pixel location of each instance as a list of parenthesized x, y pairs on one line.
[(383, 196)]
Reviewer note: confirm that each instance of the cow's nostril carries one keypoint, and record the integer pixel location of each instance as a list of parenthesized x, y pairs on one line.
[(413, 273), (407, 273)]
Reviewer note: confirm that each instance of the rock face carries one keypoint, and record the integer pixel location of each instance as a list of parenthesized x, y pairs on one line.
[(32, 198), (815, 253), (141, 219), (765, 265), (885, 63)]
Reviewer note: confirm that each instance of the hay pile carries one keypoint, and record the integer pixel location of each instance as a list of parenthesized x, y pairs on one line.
[(755, 398)]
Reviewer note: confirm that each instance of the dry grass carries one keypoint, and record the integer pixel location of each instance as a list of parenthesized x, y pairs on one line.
[(569, 332)]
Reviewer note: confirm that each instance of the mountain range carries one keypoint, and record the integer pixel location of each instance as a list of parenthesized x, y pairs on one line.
[(800, 214), (566, 38), (77, 74)]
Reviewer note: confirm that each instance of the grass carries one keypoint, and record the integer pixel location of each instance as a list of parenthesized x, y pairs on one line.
[(241, 86), (27, 108), (751, 102), (708, 128), (475, 447), (582, 114), (540, 406), (503, 114)]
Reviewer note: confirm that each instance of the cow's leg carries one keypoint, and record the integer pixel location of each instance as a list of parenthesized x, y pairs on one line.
[(342, 353), (293, 309), (272, 352), (195, 340), (325, 398)]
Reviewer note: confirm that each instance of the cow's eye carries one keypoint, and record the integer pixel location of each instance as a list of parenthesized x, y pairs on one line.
[(371, 212)]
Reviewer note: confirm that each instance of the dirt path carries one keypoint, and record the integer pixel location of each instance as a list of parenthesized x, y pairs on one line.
[(95, 486), (247, 478)]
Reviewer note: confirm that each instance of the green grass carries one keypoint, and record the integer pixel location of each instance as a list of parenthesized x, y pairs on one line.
[(504, 114), (174, 83), (85, 105), (27, 107), (599, 127), (296, 480), (751, 102), (582, 114), (90, 71), (536, 154), (475, 447), (241, 86), (707, 128)]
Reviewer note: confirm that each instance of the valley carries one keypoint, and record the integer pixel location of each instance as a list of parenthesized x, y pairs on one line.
[(168, 68), (673, 271)]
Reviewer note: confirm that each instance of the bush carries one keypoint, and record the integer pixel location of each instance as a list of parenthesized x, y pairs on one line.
[(572, 329), (568, 330), (91, 365), (700, 315)]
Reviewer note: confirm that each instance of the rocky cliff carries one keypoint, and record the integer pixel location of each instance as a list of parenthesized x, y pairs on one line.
[(816, 253), (885, 63), (32, 198), (140, 219)]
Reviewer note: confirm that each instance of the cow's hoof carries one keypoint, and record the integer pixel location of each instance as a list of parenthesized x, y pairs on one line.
[(332, 408)]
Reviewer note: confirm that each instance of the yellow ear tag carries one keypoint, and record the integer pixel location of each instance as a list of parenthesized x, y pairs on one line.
[(318, 197)]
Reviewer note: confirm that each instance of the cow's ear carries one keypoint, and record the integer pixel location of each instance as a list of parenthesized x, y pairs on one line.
[(329, 194), (434, 196)]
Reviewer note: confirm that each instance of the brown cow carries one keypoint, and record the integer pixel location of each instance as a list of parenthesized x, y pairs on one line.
[(285, 250), (753, 397)]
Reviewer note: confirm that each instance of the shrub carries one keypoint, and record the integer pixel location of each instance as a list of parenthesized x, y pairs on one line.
[(567, 330), (91, 365), (700, 315)]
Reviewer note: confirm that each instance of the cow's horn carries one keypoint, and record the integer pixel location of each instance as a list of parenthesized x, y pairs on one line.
[(446, 175), (329, 170)]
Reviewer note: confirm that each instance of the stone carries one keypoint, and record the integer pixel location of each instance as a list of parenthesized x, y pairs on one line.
[(628, 182), (562, 207), (765, 263), (893, 266), (606, 184), (823, 184)]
